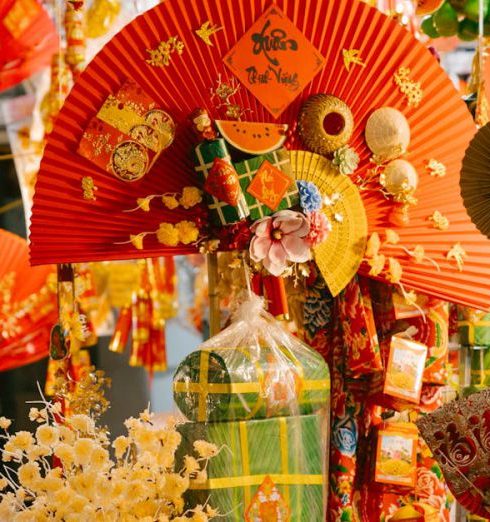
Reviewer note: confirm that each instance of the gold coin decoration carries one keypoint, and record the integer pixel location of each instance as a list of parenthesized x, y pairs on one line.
[(164, 124), (129, 161)]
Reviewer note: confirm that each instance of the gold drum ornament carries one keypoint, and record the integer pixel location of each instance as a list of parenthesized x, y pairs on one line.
[(325, 123)]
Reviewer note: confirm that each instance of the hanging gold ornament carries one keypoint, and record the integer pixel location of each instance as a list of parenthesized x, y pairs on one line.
[(101, 16)]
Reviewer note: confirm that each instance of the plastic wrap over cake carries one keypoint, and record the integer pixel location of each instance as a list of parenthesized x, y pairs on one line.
[(253, 369)]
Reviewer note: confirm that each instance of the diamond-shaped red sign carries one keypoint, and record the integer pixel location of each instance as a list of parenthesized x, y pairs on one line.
[(274, 60), (269, 185)]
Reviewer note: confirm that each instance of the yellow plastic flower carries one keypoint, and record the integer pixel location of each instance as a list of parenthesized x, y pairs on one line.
[(65, 453), (84, 483), (191, 196), (144, 204), (35, 452), (175, 485), (36, 415), (99, 458), (145, 438), (170, 202), (5, 423), (120, 445), (191, 465), (205, 449), (83, 449), (28, 474), (373, 245), (167, 234), (63, 496), (47, 435), (67, 434), (22, 440), (82, 423), (137, 240), (3, 483), (52, 481), (188, 232)]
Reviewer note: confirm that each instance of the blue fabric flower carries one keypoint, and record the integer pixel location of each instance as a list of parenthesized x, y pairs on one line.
[(310, 198)]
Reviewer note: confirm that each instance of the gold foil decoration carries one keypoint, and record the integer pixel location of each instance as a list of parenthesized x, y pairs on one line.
[(436, 168), (89, 188), (458, 254), (439, 221), (224, 91), (409, 88), (351, 57), (206, 31), (161, 55)]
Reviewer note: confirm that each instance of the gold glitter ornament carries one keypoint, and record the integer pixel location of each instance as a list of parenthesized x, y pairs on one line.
[(387, 133), (325, 123)]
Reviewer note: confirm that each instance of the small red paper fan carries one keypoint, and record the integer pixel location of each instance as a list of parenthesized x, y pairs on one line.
[(27, 307), (66, 228), (29, 40)]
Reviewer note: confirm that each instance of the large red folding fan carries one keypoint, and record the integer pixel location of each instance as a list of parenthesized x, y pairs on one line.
[(68, 228), (28, 40), (28, 307)]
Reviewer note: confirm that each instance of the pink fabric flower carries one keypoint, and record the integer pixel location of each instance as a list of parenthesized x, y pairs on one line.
[(280, 238), (320, 226)]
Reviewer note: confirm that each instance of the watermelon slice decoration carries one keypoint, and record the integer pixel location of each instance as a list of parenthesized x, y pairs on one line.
[(253, 137)]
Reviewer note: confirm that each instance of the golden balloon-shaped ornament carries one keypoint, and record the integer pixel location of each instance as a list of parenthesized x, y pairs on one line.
[(387, 133), (399, 179)]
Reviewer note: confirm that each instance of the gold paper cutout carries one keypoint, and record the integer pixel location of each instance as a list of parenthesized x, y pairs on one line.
[(410, 88), (351, 57), (89, 188), (206, 31), (224, 91), (458, 253), (161, 55), (436, 168), (439, 221)]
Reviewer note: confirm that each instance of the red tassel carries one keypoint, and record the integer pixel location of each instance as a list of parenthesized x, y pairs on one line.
[(120, 336)]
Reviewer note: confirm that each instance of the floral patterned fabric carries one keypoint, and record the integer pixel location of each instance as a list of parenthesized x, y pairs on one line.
[(323, 330), (345, 331)]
